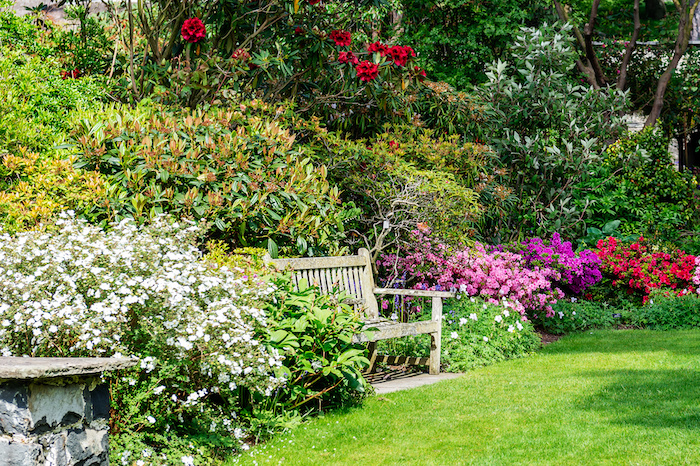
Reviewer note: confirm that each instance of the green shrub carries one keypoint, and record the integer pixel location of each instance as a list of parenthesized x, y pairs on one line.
[(575, 316), (242, 173), (551, 134), (314, 331), (474, 333), (664, 312), (638, 184)]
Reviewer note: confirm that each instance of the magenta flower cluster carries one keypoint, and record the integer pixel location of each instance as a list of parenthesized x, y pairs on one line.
[(527, 281), (573, 271)]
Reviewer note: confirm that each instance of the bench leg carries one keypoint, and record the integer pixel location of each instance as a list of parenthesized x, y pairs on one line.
[(372, 356), (436, 338), (435, 353)]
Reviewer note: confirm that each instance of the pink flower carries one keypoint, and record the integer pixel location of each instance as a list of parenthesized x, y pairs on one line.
[(193, 30)]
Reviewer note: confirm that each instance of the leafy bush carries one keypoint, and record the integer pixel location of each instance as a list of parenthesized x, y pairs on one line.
[(477, 333), (552, 131), (576, 315), (456, 38), (669, 312), (322, 365), (639, 185), (242, 173)]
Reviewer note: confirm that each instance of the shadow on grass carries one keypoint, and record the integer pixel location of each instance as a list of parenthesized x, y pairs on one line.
[(648, 398)]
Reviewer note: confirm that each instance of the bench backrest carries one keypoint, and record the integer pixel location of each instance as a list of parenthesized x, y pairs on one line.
[(353, 274)]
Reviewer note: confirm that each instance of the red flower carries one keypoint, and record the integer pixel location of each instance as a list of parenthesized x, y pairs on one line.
[(298, 31), (400, 54), (348, 57), (193, 30), (378, 47), (241, 54), (394, 145), (367, 71), (313, 2), (74, 74), (341, 38), (421, 76)]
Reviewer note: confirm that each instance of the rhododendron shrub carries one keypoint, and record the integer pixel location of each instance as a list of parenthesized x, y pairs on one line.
[(198, 330), (639, 269), (572, 271), (497, 276)]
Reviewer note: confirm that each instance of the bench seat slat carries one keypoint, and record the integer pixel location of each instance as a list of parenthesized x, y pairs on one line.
[(321, 262), (423, 293)]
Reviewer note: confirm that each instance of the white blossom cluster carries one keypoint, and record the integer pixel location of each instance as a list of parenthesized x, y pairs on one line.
[(82, 291)]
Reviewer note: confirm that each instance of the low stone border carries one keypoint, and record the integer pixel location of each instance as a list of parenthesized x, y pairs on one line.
[(55, 411)]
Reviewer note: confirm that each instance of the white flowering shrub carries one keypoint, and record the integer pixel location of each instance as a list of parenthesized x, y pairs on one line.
[(199, 330)]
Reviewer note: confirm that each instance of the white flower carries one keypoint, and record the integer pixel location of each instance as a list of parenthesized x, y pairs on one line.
[(187, 461), (462, 321), (486, 338), (573, 313), (511, 329), (159, 389), (151, 419), (506, 313), (519, 325), (473, 316), (454, 335), (561, 315), (498, 319)]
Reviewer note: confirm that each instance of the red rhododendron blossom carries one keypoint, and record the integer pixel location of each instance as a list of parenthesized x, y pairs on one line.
[(74, 74), (348, 57), (367, 71), (193, 30), (378, 47), (420, 73), (298, 31), (393, 144), (341, 38), (400, 54), (313, 2), (241, 54)]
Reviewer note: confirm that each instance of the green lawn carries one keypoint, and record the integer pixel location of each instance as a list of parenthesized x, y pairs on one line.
[(606, 397)]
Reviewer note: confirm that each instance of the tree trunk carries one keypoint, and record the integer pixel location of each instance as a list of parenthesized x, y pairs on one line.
[(585, 69), (684, 29), (622, 79), (590, 53), (655, 9)]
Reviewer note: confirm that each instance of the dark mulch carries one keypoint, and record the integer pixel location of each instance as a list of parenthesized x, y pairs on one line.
[(548, 338)]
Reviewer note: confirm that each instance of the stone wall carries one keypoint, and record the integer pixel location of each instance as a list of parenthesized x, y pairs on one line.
[(54, 424)]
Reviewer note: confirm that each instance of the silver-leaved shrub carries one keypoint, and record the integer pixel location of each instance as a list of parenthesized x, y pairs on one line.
[(197, 328)]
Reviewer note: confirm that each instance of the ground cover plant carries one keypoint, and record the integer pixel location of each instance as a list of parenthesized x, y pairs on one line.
[(602, 396)]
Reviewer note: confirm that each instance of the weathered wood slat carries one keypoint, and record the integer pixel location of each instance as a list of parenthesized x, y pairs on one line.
[(320, 262), (423, 293)]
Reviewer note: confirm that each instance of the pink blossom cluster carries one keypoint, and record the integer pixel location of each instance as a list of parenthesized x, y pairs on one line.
[(497, 276)]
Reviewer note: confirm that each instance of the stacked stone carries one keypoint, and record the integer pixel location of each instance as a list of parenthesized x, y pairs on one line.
[(54, 411)]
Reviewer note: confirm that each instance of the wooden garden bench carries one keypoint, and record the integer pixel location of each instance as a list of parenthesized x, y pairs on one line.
[(353, 274)]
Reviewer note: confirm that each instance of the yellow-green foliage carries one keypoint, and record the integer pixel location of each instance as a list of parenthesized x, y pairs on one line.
[(43, 187), (248, 261)]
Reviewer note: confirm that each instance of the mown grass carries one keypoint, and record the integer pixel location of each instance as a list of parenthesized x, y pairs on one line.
[(606, 397)]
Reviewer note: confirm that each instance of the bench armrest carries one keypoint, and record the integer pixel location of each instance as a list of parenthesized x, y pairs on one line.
[(422, 293)]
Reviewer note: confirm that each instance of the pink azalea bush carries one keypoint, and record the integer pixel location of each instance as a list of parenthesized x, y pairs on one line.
[(495, 275)]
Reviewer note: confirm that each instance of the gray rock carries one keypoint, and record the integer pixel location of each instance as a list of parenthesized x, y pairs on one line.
[(14, 412), (19, 454), (53, 406), (87, 447)]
